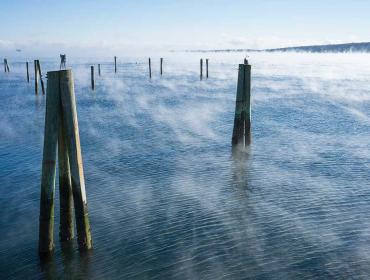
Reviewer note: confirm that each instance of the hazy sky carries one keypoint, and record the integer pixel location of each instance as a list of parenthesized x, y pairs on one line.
[(86, 26)]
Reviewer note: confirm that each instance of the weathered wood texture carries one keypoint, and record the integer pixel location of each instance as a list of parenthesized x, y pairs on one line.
[(242, 120), (75, 159), (65, 184), (46, 226)]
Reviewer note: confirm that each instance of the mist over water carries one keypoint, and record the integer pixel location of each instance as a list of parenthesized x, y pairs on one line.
[(166, 198)]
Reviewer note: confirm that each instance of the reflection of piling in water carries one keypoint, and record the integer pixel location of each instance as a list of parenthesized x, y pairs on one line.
[(61, 129), (242, 121)]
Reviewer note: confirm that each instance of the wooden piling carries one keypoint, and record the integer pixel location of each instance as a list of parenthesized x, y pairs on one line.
[(65, 184), (161, 66), (99, 70), (6, 65), (242, 120), (40, 75), (36, 77), (28, 74), (92, 78), (207, 68), (150, 69), (75, 159), (115, 64), (46, 226), (201, 68), (61, 129), (5, 62)]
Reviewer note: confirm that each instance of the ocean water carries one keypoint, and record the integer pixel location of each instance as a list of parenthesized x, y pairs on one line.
[(166, 197)]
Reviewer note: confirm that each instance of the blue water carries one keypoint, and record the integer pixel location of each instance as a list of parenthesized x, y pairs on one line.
[(166, 198)]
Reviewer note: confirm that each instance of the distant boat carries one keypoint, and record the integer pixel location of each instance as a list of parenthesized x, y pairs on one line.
[(18, 50)]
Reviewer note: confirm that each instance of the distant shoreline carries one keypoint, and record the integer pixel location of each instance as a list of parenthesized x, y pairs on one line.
[(330, 48)]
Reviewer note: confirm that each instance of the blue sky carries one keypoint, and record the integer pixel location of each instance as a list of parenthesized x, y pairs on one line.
[(37, 25)]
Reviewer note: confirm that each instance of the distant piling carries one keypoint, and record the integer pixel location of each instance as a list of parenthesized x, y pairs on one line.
[(40, 74), (115, 64), (161, 66), (99, 70), (242, 120), (201, 68), (36, 77), (150, 69), (61, 130), (63, 60), (207, 68), (6, 65), (92, 78), (28, 73)]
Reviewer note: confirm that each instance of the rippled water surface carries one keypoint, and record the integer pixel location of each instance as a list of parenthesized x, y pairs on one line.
[(167, 200)]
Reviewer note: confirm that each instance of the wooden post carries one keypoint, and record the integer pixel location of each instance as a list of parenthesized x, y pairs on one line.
[(36, 77), (46, 226), (75, 159), (161, 66), (207, 68), (6, 65), (99, 70), (201, 68), (65, 184), (41, 80), (92, 78), (28, 74), (61, 129), (115, 64), (150, 69), (242, 120)]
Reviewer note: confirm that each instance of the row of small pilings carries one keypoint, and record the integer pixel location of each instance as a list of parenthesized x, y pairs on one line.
[(62, 145), (38, 75)]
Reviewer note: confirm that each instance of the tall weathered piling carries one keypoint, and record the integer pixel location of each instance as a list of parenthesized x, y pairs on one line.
[(61, 129), (201, 68), (242, 120), (75, 159), (46, 226), (99, 70), (161, 66), (36, 77), (40, 74), (28, 73), (150, 69), (115, 64), (207, 68), (92, 78)]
